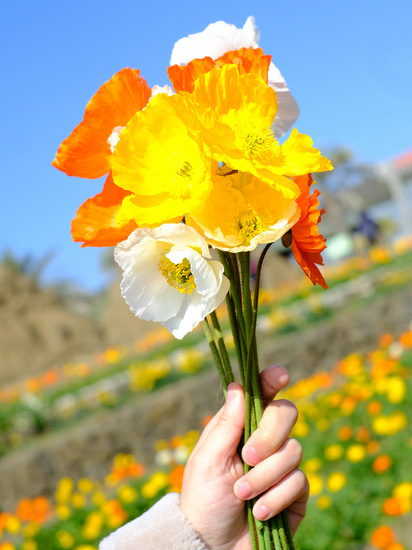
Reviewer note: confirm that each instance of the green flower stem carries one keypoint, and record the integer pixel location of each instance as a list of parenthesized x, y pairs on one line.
[(243, 311), (281, 531), (232, 272), (287, 530), (237, 337), (247, 302), (222, 348), (252, 527), (275, 534), (216, 356)]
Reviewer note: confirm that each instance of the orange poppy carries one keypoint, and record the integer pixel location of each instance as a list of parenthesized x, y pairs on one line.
[(381, 464), (382, 536), (95, 221), (86, 152), (248, 60), (307, 242)]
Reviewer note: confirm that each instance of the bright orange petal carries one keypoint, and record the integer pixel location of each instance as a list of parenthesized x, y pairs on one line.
[(86, 152), (248, 60), (183, 77), (307, 242), (94, 223)]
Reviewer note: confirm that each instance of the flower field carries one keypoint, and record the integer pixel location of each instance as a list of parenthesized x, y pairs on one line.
[(353, 426)]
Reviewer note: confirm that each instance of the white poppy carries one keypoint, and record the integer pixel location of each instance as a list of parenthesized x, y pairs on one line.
[(169, 277), (219, 38)]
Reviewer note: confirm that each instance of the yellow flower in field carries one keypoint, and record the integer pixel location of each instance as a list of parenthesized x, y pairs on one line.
[(189, 360), (390, 424), (301, 428), (65, 539), (13, 524), (7, 546), (86, 547), (29, 545), (336, 481), (63, 512), (78, 501), (312, 465), (356, 453), (403, 490), (127, 494), (161, 165), (242, 212), (99, 498), (85, 485), (231, 113), (395, 389), (334, 451), (315, 483), (324, 502), (93, 526), (31, 529), (323, 424), (156, 483)]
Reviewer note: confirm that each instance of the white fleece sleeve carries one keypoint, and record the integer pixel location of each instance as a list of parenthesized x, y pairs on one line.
[(164, 525)]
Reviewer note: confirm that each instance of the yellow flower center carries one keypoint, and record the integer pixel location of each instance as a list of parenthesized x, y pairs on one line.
[(249, 224), (185, 170), (178, 276)]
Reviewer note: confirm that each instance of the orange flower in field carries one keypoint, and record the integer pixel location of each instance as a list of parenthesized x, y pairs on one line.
[(406, 339), (94, 223), (86, 152), (248, 60), (345, 433), (363, 434), (176, 478), (37, 509), (393, 506), (385, 340), (307, 243), (374, 407), (382, 536), (381, 464)]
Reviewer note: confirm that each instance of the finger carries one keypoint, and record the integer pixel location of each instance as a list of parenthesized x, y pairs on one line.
[(274, 428), (273, 380), (292, 491), (223, 433), (271, 471)]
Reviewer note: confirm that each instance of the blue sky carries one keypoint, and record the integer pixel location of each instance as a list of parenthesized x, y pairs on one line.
[(348, 64)]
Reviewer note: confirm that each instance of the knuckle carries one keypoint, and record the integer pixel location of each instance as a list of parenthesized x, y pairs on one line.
[(296, 449), (290, 407), (267, 439), (302, 481)]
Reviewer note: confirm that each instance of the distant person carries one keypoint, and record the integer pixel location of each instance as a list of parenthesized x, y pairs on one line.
[(368, 228), (210, 514)]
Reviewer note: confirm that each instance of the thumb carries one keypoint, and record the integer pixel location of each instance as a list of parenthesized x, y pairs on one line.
[(227, 429)]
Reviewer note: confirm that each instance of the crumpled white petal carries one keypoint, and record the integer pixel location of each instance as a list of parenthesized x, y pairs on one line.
[(148, 292), (219, 38)]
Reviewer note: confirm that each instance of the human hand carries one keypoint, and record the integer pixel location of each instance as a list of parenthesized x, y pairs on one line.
[(214, 488)]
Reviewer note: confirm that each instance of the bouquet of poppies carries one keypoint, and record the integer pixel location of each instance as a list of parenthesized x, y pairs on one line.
[(195, 168)]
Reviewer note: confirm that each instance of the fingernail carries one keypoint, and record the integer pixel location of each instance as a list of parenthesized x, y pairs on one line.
[(250, 456), (284, 377), (261, 512), (243, 489), (231, 392)]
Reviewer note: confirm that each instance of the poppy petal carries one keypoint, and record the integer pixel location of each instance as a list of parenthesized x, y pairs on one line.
[(86, 152)]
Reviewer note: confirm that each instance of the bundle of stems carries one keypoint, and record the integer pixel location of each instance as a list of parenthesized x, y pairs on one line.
[(272, 534)]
